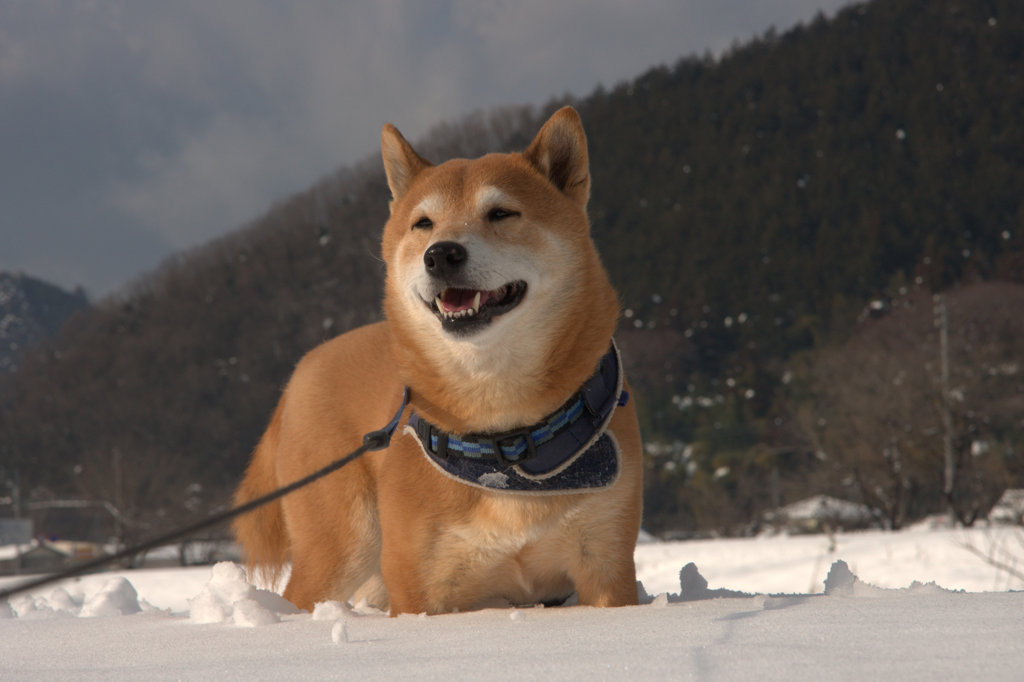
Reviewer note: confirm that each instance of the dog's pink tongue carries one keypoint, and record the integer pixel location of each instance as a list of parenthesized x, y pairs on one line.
[(456, 300)]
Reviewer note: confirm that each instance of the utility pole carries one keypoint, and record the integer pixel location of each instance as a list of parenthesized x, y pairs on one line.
[(942, 321), (118, 497), (16, 504)]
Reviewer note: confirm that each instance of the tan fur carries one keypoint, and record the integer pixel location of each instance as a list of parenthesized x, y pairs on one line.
[(389, 526)]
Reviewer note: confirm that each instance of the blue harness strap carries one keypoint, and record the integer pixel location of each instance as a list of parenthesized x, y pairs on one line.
[(568, 450)]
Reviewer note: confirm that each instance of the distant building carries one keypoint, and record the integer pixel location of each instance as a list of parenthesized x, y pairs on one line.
[(36, 557)]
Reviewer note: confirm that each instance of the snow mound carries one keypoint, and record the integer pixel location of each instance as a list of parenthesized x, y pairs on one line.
[(35, 608), (339, 632), (840, 579), (229, 598), (842, 582), (117, 597), (62, 601), (693, 586), (331, 610)]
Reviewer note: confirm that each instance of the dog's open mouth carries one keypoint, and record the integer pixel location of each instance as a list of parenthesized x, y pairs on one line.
[(463, 311)]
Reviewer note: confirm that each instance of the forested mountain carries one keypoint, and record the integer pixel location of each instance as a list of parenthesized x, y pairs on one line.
[(759, 213), (31, 311)]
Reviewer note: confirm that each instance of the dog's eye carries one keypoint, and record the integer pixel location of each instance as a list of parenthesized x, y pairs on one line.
[(423, 223), (497, 214)]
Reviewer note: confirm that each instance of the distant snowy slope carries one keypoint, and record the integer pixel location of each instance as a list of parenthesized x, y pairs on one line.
[(798, 564)]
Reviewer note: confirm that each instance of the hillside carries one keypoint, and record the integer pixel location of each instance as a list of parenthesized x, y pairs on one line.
[(749, 209), (31, 311)]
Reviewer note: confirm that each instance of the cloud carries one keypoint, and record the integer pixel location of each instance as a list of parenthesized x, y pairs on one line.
[(179, 121), (216, 178)]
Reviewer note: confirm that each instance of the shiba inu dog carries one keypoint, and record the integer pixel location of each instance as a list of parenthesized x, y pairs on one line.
[(514, 473)]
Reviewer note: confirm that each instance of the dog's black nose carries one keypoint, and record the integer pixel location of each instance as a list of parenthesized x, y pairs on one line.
[(444, 258)]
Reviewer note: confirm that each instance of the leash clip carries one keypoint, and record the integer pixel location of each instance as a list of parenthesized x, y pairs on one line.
[(381, 438), (377, 440)]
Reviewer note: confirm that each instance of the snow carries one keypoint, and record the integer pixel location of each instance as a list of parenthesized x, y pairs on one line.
[(229, 598), (1009, 508), (824, 508), (917, 605)]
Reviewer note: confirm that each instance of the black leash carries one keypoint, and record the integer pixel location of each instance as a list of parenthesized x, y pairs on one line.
[(375, 440)]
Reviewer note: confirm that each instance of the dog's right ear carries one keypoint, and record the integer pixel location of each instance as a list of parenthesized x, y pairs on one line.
[(401, 162)]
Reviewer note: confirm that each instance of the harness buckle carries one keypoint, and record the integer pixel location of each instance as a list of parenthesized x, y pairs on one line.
[(442, 443), (427, 432), (509, 439)]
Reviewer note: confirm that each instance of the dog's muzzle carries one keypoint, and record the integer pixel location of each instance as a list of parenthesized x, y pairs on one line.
[(462, 308)]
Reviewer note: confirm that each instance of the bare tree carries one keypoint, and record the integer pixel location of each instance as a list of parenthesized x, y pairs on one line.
[(917, 411)]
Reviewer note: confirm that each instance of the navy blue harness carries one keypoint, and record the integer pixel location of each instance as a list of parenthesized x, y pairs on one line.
[(567, 451)]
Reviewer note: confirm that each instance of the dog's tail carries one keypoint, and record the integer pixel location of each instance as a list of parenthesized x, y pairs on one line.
[(262, 532)]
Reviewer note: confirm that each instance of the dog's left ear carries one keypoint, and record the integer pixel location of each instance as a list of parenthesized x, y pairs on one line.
[(560, 152), (401, 162)]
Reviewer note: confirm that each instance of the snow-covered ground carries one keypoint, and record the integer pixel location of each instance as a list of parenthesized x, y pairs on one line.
[(918, 604)]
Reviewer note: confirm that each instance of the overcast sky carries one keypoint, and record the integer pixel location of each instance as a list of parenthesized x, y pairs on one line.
[(130, 129)]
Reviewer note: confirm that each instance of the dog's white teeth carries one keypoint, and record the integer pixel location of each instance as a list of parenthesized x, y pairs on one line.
[(469, 311)]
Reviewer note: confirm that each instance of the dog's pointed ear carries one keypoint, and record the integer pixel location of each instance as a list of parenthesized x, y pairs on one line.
[(401, 162), (560, 152)]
